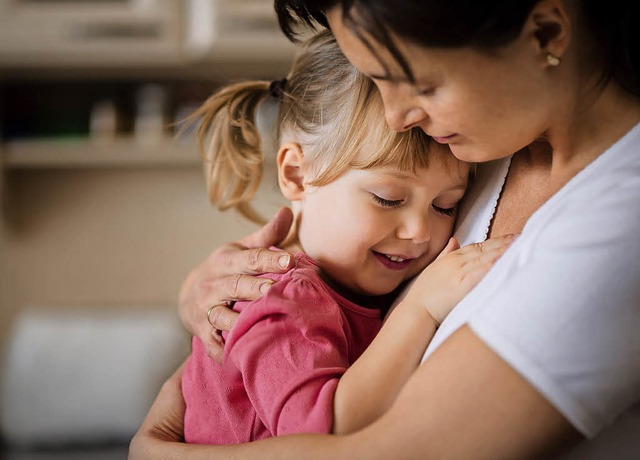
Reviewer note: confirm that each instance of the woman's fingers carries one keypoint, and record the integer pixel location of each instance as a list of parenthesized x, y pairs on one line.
[(272, 233), (221, 317), (255, 261), (226, 276), (251, 256), (214, 345)]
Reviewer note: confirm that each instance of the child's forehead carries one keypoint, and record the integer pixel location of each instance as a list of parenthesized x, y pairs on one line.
[(451, 173)]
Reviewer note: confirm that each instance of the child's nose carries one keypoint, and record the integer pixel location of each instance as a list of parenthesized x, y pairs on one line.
[(416, 228)]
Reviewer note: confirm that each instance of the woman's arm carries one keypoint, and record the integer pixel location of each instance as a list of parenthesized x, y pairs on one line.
[(227, 275), (463, 402), (371, 384)]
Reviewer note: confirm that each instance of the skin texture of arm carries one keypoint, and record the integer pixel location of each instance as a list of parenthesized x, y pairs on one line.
[(490, 412)]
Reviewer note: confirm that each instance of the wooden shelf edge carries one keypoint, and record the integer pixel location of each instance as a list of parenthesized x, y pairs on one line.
[(86, 154)]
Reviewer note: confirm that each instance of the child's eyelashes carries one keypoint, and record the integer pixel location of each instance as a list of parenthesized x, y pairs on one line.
[(386, 203), (450, 212)]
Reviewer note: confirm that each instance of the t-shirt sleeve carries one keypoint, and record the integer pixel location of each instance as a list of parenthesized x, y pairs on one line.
[(565, 311), (291, 350)]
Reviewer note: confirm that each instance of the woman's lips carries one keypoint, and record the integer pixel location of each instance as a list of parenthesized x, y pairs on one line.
[(392, 264), (443, 139)]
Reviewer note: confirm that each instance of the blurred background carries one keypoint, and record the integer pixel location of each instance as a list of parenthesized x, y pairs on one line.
[(103, 208)]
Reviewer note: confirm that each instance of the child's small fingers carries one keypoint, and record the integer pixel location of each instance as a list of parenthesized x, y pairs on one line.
[(482, 259), (497, 243), (487, 246)]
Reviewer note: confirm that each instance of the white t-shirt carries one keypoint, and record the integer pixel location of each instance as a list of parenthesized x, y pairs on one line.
[(562, 306)]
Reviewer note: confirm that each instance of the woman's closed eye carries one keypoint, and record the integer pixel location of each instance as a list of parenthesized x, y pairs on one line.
[(425, 91), (386, 203)]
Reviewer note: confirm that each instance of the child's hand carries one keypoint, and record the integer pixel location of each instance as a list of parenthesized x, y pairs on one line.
[(453, 274)]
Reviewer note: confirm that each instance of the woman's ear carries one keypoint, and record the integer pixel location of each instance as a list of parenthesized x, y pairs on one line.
[(291, 171), (550, 26)]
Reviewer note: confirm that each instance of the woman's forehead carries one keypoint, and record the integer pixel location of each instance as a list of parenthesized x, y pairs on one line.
[(372, 57), (365, 53)]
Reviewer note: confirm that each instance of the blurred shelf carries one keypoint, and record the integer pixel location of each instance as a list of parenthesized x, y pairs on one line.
[(86, 154), (214, 38)]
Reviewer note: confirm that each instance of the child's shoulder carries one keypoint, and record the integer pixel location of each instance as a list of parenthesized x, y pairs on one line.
[(305, 269), (296, 291), (302, 279)]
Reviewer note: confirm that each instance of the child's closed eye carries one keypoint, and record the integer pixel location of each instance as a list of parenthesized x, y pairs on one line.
[(386, 203), (450, 212)]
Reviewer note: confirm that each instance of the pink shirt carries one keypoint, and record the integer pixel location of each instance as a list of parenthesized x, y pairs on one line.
[(281, 365)]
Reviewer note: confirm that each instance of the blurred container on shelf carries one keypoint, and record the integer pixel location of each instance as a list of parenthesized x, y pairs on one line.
[(150, 125), (103, 125)]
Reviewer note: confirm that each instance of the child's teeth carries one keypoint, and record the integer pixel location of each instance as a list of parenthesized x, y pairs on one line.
[(395, 258)]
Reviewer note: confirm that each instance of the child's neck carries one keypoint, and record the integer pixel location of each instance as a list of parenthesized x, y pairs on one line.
[(367, 301)]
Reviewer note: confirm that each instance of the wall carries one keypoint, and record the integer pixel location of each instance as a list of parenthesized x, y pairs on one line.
[(106, 237), (113, 233)]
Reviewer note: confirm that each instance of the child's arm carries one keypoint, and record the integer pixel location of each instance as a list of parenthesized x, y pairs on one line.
[(371, 384), (290, 350)]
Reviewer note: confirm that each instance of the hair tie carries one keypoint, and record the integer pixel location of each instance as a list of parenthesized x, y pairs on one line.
[(276, 88)]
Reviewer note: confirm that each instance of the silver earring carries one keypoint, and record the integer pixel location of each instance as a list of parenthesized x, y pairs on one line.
[(552, 60)]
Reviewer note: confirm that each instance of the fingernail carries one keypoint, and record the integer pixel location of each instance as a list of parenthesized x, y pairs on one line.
[(264, 287), (284, 261)]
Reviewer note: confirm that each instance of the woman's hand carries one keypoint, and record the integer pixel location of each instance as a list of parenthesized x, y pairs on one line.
[(228, 275), (453, 274)]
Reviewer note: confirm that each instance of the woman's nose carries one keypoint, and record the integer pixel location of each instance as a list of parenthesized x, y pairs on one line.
[(415, 228), (400, 112)]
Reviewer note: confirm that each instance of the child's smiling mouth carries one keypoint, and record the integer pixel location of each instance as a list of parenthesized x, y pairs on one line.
[(393, 262)]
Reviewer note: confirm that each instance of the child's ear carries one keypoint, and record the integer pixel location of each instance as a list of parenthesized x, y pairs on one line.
[(291, 171)]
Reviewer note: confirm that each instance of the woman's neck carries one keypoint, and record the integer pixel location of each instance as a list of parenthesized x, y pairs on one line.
[(576, 139), (539, 171)]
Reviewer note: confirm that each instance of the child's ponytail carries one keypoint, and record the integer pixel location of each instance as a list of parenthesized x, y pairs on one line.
[(229, 144)]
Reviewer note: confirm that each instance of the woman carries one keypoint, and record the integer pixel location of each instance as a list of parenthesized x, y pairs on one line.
[(541, 358)]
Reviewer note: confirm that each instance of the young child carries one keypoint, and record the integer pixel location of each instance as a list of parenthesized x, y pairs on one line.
[(372, 209)]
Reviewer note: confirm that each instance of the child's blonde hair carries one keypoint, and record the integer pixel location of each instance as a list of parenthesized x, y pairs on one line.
[(327, 106)]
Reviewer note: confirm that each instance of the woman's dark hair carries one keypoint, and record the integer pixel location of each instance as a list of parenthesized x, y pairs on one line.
[(486, 24)]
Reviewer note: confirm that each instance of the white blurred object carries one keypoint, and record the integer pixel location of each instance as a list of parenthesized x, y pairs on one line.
[(234, 30), (200, 27), (79, 376), (104, 121), (150, 122), (267, 125)]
